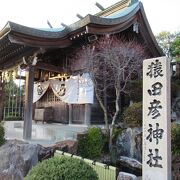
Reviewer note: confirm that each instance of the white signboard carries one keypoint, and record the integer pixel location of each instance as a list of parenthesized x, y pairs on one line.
[(156, 119)]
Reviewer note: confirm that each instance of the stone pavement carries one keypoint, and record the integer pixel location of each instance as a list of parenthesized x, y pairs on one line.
[(44, 134)]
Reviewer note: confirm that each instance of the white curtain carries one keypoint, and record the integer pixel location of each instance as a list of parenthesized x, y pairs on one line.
[(65, 90), (86, 89), (39, 90), (75, 90)]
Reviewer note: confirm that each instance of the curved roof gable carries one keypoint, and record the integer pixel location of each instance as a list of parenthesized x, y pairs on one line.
[(15, 38)]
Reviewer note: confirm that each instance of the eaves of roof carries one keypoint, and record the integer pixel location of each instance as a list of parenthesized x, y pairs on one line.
[(61, 37), (15, 38)]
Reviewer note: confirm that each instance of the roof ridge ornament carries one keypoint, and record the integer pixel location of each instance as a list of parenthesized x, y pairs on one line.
[(79, 16), (64, 25), (49, 24), (131, 2), (100, 6)]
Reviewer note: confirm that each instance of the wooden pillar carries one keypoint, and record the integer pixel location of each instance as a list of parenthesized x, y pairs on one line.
[(70, 113), (27, 131), (1, 97), (87, 118)]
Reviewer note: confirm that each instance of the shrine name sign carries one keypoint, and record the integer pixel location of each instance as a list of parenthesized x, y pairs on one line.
[(156, 119)]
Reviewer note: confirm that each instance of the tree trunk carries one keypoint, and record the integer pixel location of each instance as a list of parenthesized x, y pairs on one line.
[(104, 111), (114, 118)]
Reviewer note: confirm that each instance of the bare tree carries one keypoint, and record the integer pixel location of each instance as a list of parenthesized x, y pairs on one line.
[(111, 63)]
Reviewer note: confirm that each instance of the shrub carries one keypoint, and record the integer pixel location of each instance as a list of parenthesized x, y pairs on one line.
[(62, 168), (175, 138), (115, 133), (91, 144), (2, 133), (133, 115), (13, 118)]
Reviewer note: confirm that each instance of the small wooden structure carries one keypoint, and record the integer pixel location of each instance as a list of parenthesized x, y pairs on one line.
[(54, 49), (44, 114)]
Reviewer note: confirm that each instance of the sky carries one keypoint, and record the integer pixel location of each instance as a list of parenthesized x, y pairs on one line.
[(163, 15)]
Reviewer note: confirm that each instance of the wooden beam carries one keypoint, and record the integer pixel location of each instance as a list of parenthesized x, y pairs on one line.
[(17, 59), (48, 67), (27, 129), (44, 42), (21, 77), (70, 113), (1, 97), (87, 118)]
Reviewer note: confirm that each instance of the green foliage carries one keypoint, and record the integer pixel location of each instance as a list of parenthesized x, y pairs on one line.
[(164, 40), (11, 90), (113, 155), (13, 118), (13, 100), (133, 115), (91, 144), (169, 43), (116, 131), (62, 168), (105, 138), (2, 133), (175, 138), (175, 48)]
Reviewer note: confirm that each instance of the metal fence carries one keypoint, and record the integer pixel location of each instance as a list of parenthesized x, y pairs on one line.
[(104, 171)]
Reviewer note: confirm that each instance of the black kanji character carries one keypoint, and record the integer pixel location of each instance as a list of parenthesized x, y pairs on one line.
[(155, 69), (156, 89), (153, 110), (156, 158), (156, 134)]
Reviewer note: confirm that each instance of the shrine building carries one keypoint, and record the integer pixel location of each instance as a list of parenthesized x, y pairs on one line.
[(55, 87)]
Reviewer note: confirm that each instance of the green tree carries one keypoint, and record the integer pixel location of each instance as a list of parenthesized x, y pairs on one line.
[(13, 96), (11, 90), (175, 48), (164, 40)]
